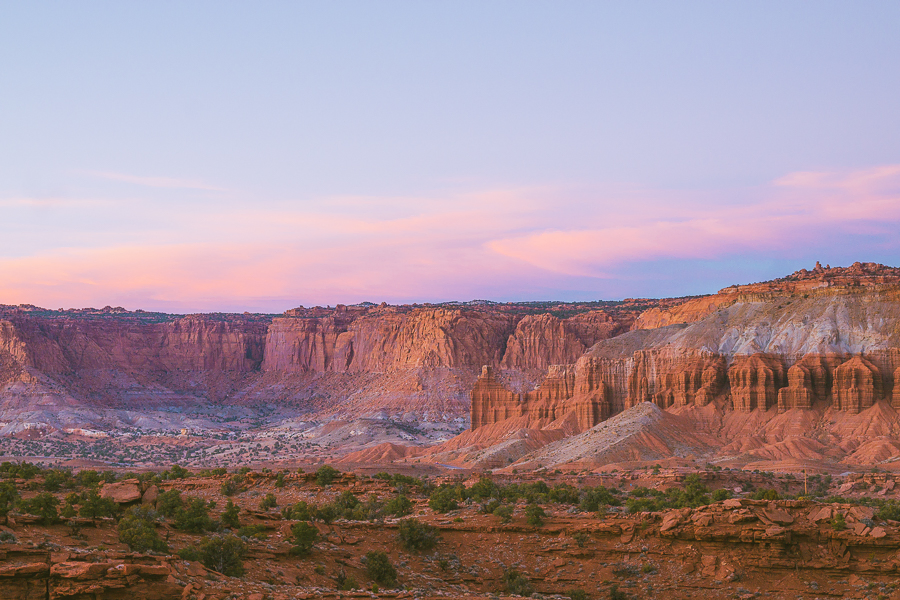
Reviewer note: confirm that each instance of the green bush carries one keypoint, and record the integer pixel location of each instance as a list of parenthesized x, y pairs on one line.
[(416, 536), (504, 513), (483, 489), (380, 569), (765, 494), (257, 532), (137, 529), (305, 536), (44, 506), (8, 497), (577, 594), (720, 494), (235, 485), (345, 582), (516, 583), (231, 515), (268, 502), (194, 517), (443, 500), (593, 499), (301, 511), (55, 479), (326, 475), (838, 523), (534, 515), (398, 506), (169, 503), (224, 554), (95, 507)]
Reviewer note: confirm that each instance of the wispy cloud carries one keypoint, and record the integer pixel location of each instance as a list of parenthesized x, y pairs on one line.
[(489, 243), (156, 182)]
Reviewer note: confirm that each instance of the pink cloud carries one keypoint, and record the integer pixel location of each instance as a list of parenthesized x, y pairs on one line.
[(156, 182), (459, 246)]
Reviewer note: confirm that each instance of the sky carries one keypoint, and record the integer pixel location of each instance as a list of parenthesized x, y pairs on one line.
[(235, 156)]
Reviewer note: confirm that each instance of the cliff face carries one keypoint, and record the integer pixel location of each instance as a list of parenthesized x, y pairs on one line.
[(838, 347), (387, 340)]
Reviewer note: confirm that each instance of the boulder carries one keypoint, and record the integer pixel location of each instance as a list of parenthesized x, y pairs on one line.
[(122, 492)]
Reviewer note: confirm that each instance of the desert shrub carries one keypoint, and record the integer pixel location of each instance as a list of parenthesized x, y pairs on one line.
[(765, 494), (88, 478), (231, 515), (305, 536), (504, 513), (534, 515), (616, 594), (68, 511), (189, 552), (346, 501), (380, 569), (95, 507), (54, 480), (581, 538), (721, 494), (416, 536), (8, 537), (234, 485), (326, 513), (838, 523), (168, 503), (484, 488), (268, 502), (564, 493), (516, 583), (20, 470), (592, 499), (890, 509), (44, 506), (326, 475), (194, 517), (398, 506), (279, 480), (137, 529), (301, 511), (345, 582), (577, 594), (625, 569), (443, 500), (8, 497), (405, 483), (224, 554), (176, 472), (256, 532)]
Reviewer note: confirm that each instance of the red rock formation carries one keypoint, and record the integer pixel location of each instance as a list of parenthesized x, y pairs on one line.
[(491, 402), (857, 385), (798, 393), (388, 339), (675, 379), (540, 341), (755, 381)]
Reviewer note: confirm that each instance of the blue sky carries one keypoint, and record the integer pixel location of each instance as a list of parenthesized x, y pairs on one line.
[(237, 156)]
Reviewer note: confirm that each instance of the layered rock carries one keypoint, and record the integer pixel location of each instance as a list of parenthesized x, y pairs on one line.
[(799, 392), (755, 381), (675, 378), (857, 385)]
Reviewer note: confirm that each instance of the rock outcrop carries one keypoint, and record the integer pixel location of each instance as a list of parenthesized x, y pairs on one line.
[(755, 381), (857, 385)]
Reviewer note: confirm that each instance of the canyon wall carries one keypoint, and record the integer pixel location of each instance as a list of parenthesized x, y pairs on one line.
[(803, 344)]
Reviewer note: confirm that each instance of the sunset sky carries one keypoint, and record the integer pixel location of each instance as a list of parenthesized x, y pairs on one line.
[(216, 156)]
